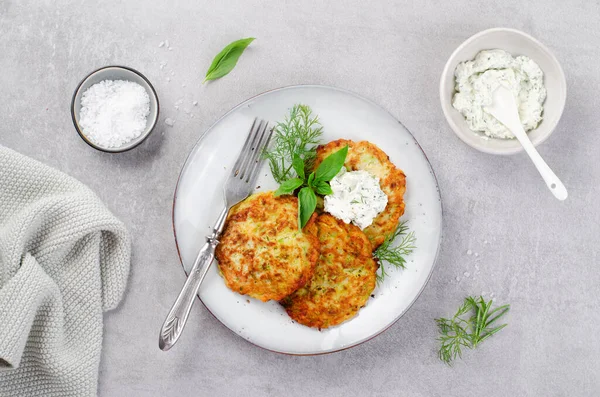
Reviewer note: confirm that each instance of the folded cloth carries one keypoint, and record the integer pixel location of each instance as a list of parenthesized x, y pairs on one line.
[(64, 259)]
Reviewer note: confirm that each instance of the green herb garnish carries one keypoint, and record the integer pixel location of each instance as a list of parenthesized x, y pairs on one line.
[(226, 60), (395, 256), (458, 332), (315, 183), (294, 144)]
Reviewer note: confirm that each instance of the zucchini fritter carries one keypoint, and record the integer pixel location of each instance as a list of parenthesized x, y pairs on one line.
[(262, 253), (366, 156), (344, 277)]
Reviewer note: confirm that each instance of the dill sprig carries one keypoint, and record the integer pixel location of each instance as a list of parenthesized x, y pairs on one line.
[(298, 135), (457, 332), (395, 255)]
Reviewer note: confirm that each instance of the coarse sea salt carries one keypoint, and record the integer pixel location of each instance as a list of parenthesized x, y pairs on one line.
[(114, 112)]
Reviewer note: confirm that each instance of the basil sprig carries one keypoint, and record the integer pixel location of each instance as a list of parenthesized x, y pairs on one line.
[(226, 60), (317, 182)]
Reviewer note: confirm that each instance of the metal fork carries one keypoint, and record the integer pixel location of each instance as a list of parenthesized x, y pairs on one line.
[(239, 185)]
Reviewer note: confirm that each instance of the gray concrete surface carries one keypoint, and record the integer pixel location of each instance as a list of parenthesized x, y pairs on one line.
[(541, 255)]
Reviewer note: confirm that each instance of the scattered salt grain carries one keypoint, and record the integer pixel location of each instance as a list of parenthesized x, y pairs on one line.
[(167, 43), (476, 254), (172, 73), (469, 252), (466, 274), (170, 49), (457, 278), (169, 121), (195, 103), (162, 43), (168, 79), (114, 112)]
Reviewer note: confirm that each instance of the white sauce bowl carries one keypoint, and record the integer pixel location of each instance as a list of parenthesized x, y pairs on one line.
[(516, 43)]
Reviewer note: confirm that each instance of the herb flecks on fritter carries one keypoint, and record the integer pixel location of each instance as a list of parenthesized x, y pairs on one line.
[(343, 280), (366, 156), (262, 253)]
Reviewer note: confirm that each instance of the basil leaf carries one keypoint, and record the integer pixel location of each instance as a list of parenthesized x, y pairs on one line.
[(323, 188), (225, 60), (289, 186), (307, 202), (298, 165), (311, 179), (331, 165)]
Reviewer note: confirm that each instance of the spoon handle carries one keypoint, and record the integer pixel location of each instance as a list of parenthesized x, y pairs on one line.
[(552, 181)]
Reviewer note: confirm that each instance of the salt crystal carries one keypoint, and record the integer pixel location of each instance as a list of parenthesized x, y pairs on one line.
[(169, 121), (195, 103), (176, 107), (162, 43), (477, 267), (469, 252), (457, 278), (114, 112), (183, 85), (476, 254), (172, 73), (168, 79), (170, 49), (485, 241), (466, 274), (167, 43)]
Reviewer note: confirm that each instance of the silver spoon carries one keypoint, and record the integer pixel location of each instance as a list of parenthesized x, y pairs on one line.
[(504, 108)]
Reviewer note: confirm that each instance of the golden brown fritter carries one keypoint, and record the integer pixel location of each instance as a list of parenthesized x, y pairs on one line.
[(366, 156), (262, 253), (344, 277)]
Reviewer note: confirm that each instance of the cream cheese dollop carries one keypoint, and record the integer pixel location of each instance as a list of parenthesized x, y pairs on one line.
[(477, 80), (357, 197)]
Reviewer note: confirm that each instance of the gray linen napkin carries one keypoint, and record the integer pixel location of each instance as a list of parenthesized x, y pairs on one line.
[(64, 259)]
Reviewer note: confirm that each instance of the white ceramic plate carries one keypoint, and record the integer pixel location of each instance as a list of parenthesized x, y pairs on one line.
[(198, 200)]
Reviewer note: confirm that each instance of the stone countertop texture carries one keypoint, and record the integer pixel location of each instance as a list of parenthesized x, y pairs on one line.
[(530, 250)]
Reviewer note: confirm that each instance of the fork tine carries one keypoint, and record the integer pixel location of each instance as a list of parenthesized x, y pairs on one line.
[(256, 150), (245, 149), (250, 151), (258, 161)]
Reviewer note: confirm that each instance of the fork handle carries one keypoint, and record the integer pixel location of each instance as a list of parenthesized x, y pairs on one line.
[(177, 317)]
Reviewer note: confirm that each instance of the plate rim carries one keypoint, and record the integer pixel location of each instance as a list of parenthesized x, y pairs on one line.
[(345, 91)]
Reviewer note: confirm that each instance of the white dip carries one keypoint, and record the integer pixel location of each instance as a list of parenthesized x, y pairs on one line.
[(357, 197), (476, 81)]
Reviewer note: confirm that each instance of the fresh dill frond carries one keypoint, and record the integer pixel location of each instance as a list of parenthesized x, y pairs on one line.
[(386, 253), (298, 135), (459, 332)]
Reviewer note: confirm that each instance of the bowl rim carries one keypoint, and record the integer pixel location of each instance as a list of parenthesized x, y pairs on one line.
[(149, 129), (458, 131)]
